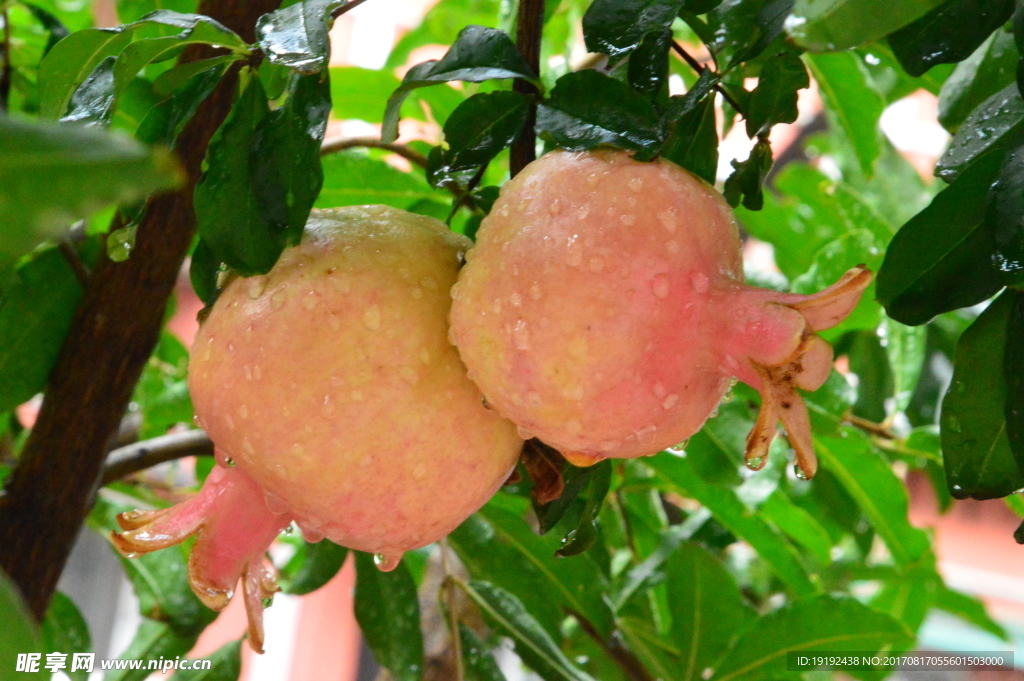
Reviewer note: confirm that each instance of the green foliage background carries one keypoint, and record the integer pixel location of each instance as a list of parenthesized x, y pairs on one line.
[(681, 566)]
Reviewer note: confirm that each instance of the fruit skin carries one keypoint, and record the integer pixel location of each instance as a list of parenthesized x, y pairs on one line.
[(603, 310), (330, 383)]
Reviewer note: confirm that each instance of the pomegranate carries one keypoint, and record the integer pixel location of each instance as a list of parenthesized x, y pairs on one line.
[(334, 400), (603, 310)]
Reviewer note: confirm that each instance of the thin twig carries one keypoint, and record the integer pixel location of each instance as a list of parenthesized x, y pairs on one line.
[(73, 259), (148, 453), (876, 429), (337, 144), (699, 68), (448, 586), (629, 664), (528, 34), (346, 7)]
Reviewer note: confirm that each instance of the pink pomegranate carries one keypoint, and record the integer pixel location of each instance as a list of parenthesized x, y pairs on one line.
[(335, 400), (603, 310)]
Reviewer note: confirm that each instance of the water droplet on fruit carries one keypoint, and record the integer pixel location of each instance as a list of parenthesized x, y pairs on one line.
[(231, 348), (297, 449), (243, 411), (681, 447), (357, 395), (628, 220), (522, 206), (371, 318), (535, 292), (533, 399), (672, 246), (700, 282), (277, 300), (608, 445), (635, 184), (595, 265), (275, 503), (485, 403), (573, 251), (592, 179), (645, 436), (659, 390), (257, 372), (575, 393), (521, 336), (555, 208), (290, 529), (416, 292), (670, 402), (247, 447), (327, 409), (255, 287), (583, 212), (515, 299), (799, 472), (229, 462), (455, 291), (429, 283), (386, 562), (503, 211), (523, 433), (659, 285), (755, 463), (668, 220), (425, 356), (311, 535), (409, 375), (309, 301)]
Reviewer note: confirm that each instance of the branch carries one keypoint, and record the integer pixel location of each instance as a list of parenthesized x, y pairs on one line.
[(341, 143), (115, 329), (530, 25), (352, 4), (148, 453), (632, 667), (699, 68)]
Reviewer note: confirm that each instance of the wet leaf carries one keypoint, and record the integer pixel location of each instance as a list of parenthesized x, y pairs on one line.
[(296, 36), (1005, 216), (477, 131), (992, 67), (225, 665), (748, 177), (774, 99), (941, 259), (312, 567), (996, 123), (835, 25), (743, 29), (64, 630), (585, 533), (949, 33), (693, 139), (152, 640), (388, 613), (976, 450), (616, 27), (478, 54), (477, 662), (351, 179), (648, 65), (164, 122)]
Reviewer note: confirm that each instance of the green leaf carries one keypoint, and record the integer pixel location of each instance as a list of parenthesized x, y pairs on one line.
[(774, 99), (388, 613), (798, 524), (707, 609), (51, 175), (616, 27), (996, 123), (285, 158), (1013, 374), (678, 475), (906, 347), (992, 67), (693, 138), (1004, 216), (71, 61), (585, 534), (533, 643), (814, 624), (54, 26), (228, 210), (133, 10), (203, 272), (835, 25), (853, 104), (225, 665), (648, 65), (162, 392), (587, 109), (161, 584), (64, 631), (949, 33), (20, 632), (93, 100), (478, 54), (976, 450), (969, 609), (743, 29), (716, 450), (477, 131), (477, 662), (881, 495), (297, 36), (312, 567), (908, 597), (941, 259), (748, 177), (36, 310), (354, 180), (153, 640), (164, 122)]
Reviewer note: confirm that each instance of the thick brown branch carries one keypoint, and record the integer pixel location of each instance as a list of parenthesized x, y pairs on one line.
[(342, 143), (699, 68), (142, 455), (530, 24), (115, 329)]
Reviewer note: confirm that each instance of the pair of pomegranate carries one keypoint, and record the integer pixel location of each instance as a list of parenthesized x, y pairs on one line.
[(375, 391)]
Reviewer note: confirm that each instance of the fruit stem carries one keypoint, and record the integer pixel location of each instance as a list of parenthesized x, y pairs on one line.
[(530, 22)]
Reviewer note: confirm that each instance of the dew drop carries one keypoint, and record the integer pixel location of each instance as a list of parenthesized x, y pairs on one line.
[(416, 292), (275, 503), (575, 394), (533, 399), (573, 251), (371, 318), (659, 390), (635, 184), (668, 220), (297, 449), (503, 211), (255, 287), (799, 472), (409, 375), (670, 401), (521, 336), (386, 562), (311, 535), (515, 299), (334, 323), (229, 462), (231, 348), (357, 395), (309, 301), (277, 300), (628, 220), (700, 282), (243, 411), (645, 436), (595, 265), (535, 292), (257, 372), (681, 447), (555, 208), (485, 403), (583, 212), (672, 246), (592, 179), (755, 463), (523, 433), (608, 445), (659, 285), (327, 409), (425, 356), (497, 306)]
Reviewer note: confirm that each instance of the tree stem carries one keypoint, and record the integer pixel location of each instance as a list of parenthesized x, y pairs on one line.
[(142, 455), (699, 68), (115, 329), (528, 34), (337, 144)]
